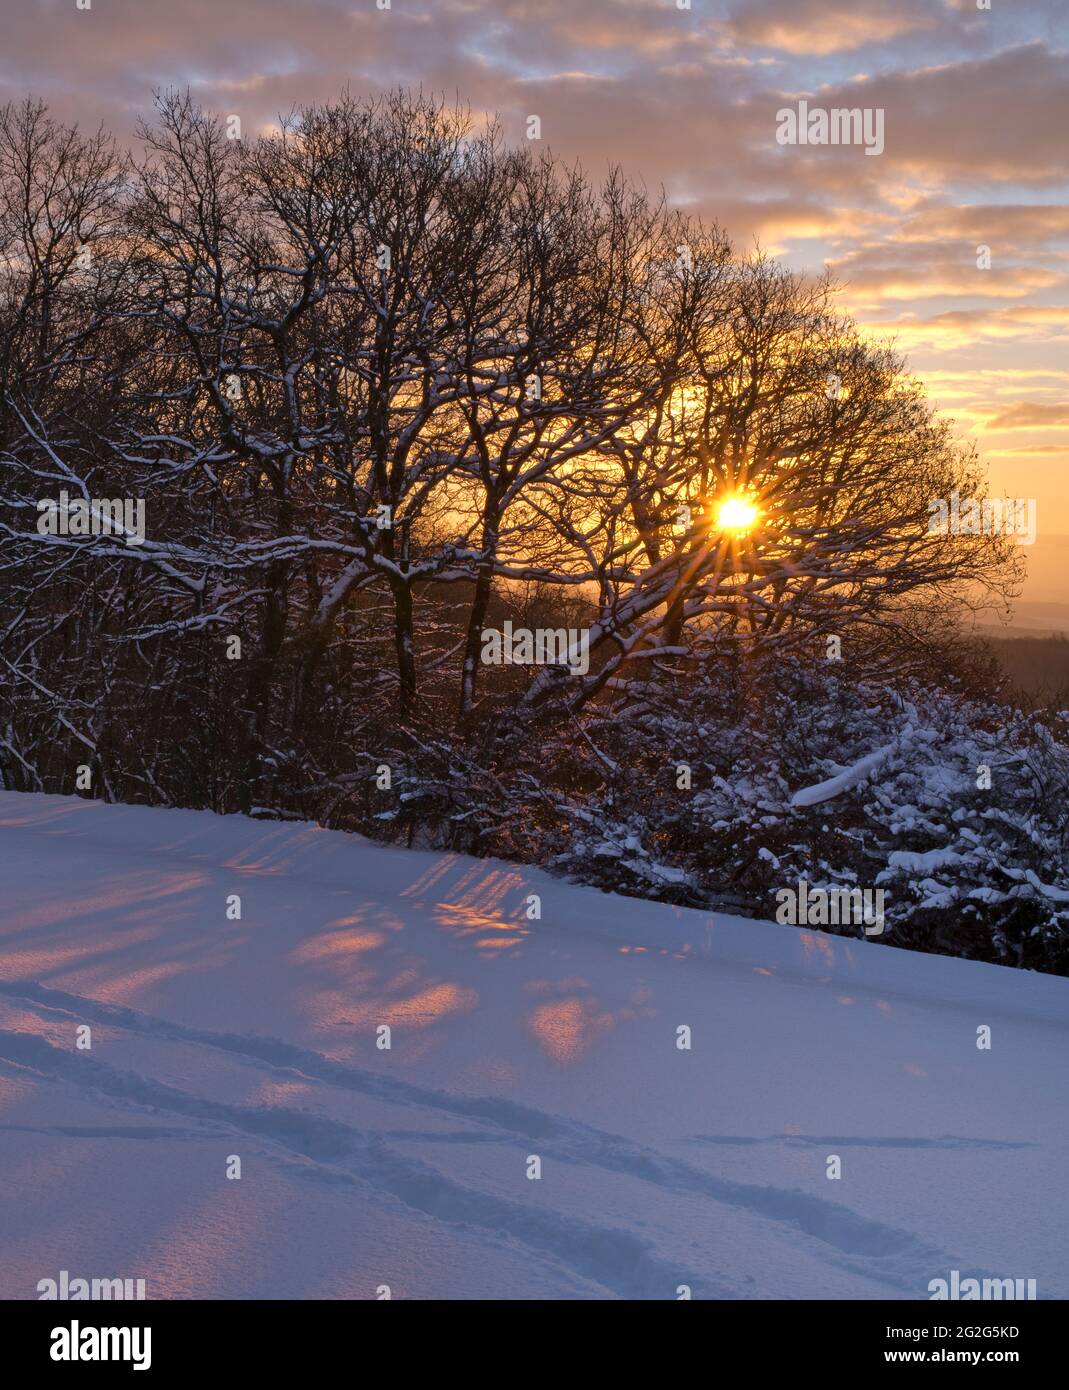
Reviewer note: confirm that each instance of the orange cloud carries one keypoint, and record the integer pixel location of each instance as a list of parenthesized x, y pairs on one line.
[(819, 27)]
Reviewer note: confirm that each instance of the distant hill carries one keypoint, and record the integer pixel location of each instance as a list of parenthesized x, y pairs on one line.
[(1031, 618), (1043, 608), (1037, 663), (1048, 571)]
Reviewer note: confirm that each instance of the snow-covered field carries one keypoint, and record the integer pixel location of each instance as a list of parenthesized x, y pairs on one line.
[(511, 1038)]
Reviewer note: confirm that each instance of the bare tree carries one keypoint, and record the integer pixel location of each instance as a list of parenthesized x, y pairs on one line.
[(375, 372)]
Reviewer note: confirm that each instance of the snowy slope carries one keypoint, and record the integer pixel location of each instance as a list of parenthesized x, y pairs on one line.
[(510, 1038)]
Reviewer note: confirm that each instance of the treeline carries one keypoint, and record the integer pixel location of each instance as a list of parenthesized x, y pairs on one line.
[(382, 383)]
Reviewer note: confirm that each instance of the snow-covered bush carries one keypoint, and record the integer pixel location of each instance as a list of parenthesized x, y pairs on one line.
[(722, 787), (957, 809)]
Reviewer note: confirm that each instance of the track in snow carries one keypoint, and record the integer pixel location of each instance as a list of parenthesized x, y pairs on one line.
[(559, 1042)]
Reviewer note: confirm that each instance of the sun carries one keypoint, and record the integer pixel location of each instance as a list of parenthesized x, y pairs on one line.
[(736, 514)]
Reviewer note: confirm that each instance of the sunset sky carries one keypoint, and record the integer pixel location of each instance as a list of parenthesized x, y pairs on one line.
[(976, 109)]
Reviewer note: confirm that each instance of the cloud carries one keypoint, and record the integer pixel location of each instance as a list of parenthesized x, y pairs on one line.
[(874, 277), (1028, 415), (820, 27), (958, 328), (1001, 118), (1004, 227)]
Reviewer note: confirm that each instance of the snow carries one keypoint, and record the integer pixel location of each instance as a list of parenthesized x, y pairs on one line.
[(849, 777), (921, 863), (511, 1037)]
